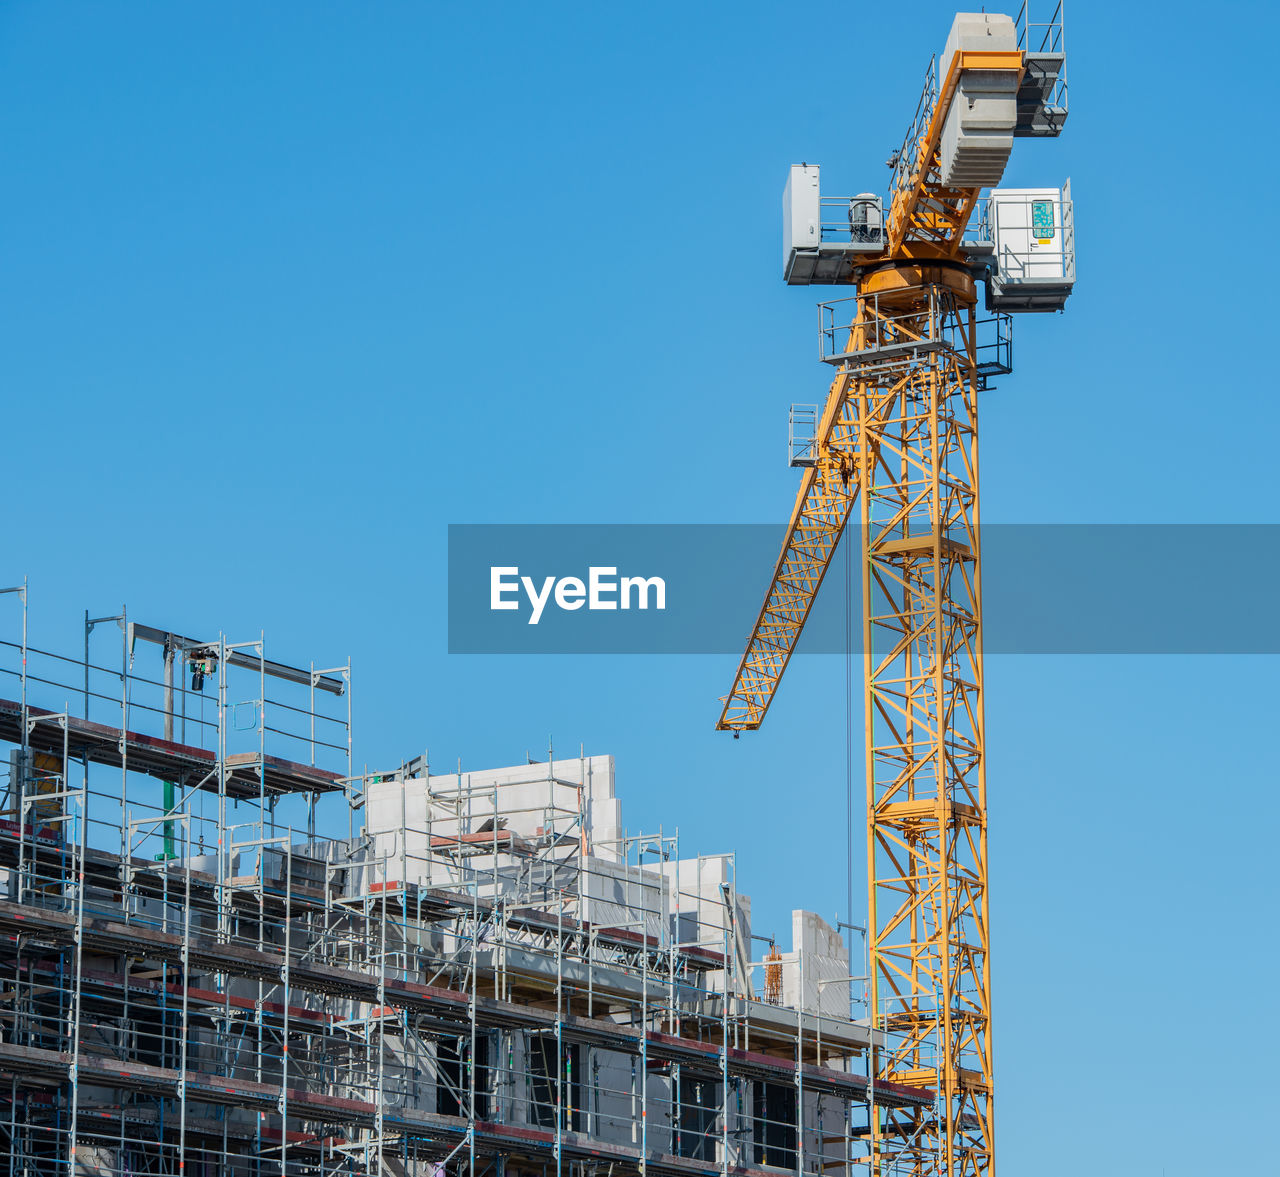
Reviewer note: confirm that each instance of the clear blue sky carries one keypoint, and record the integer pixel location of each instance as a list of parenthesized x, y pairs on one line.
[(286, 289)]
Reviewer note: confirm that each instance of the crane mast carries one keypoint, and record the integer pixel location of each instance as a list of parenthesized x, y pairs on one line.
[(925, 768), (898, 439)]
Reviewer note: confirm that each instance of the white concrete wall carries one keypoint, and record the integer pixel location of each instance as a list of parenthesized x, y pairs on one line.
[(825, 957), (530, 800), (697, 899), (681, 898), (619, 896)]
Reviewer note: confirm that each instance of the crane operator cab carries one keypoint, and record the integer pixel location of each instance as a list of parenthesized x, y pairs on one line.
[(1029, 235)]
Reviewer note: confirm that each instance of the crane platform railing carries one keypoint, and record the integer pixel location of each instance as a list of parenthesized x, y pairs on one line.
[(1040, 36), (837, 226), (888, 339), (983, 221), (904, 160), (802, 434), (882, 335), (1042, 100)]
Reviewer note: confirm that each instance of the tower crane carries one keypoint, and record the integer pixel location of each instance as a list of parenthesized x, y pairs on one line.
[(897, 440)]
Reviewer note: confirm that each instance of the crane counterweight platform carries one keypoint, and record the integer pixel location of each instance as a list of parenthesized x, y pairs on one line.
[(895, 448)]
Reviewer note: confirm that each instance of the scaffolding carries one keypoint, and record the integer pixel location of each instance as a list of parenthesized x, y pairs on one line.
[(223, 950)]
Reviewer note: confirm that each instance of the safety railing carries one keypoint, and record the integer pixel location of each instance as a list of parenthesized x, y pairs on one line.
[(869, 328), (984, 226), (802, 430), (1044, 43), (857, 221), (873, 326), (1040, 36), (904, 161)]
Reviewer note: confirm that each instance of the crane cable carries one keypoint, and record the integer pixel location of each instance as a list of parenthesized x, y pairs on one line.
[(848, 801), (848, 723)]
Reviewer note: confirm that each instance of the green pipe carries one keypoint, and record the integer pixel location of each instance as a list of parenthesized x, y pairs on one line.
[(170, 847)]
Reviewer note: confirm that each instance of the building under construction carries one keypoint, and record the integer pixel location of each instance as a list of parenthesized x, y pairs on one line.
[(225, 950)]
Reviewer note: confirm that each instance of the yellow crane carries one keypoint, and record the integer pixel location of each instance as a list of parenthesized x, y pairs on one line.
[(897, 438)]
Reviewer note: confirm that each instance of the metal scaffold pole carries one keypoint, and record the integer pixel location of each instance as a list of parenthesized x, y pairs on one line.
[(199, 991)]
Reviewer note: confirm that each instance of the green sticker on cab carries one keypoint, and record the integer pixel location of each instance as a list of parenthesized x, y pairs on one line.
[(1042, 220)]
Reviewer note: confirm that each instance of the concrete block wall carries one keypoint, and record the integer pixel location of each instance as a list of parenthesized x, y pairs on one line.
[(530, 800), (697, 899), (682, 899), (826, 957)]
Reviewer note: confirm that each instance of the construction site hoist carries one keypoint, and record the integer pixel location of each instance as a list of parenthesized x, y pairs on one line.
[(897, 440)]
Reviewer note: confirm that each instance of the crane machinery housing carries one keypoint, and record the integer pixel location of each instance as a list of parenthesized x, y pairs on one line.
[(897, 439)]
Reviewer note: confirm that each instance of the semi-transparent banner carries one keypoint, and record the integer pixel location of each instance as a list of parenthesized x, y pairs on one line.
[(698, 588)]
